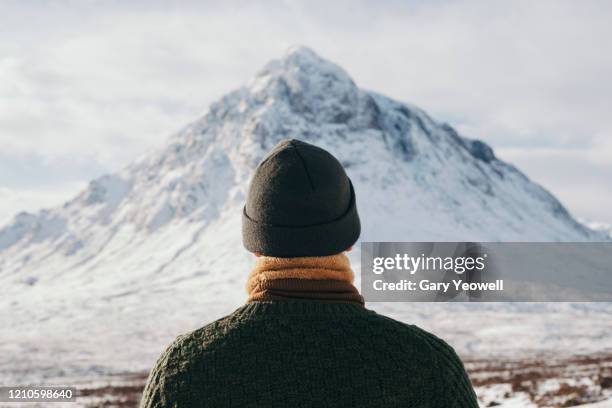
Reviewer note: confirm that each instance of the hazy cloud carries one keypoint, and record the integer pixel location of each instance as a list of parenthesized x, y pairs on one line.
[(101, 82)]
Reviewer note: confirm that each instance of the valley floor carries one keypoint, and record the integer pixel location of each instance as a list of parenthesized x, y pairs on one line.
[(543, 382), (581, 381)]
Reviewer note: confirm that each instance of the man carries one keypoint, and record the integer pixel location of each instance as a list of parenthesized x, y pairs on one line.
[(304, 337)]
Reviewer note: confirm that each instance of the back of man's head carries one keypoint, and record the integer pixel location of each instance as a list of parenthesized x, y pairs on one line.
[(300, 203)]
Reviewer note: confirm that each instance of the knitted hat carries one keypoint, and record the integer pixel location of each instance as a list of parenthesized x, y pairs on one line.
[(300, 203)]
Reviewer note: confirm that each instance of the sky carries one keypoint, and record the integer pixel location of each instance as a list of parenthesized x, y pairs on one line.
[(87, 86)]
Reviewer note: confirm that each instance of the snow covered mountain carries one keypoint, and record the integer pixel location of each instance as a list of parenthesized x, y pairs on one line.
[(102, 282)]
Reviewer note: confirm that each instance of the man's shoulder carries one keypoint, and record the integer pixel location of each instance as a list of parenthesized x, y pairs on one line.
[(383, 333), (370, 323), (410, 337), (181, 362), (198, 340), (406, 330), (431, 351)]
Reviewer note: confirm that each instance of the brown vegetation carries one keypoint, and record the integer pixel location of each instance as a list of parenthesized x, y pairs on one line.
[(579, 380)]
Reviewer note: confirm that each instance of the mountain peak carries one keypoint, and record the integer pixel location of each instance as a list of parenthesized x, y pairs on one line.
[(311, 85), (302, 54), (302, 58), (386, 146)]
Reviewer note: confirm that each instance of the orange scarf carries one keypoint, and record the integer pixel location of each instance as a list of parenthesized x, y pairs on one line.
[(323, 278)]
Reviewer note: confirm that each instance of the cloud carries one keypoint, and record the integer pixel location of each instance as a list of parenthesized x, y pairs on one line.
[(102, 82), (13, 201)]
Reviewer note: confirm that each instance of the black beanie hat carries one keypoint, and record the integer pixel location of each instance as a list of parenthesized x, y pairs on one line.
[(300, 203)]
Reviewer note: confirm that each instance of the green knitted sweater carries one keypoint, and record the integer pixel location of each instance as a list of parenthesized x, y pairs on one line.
[(305, 353)]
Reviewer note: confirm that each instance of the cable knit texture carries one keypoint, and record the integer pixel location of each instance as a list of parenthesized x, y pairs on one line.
[(307, 353)]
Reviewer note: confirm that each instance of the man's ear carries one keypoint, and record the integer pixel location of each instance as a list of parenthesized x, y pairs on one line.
[(349, 249), (257, 254)]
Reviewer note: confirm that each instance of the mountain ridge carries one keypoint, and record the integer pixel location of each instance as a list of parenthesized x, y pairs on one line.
[(154, 249), (318, 92)]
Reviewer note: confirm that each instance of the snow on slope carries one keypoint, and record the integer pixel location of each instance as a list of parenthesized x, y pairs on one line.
[(102, 282), (601, 227)]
